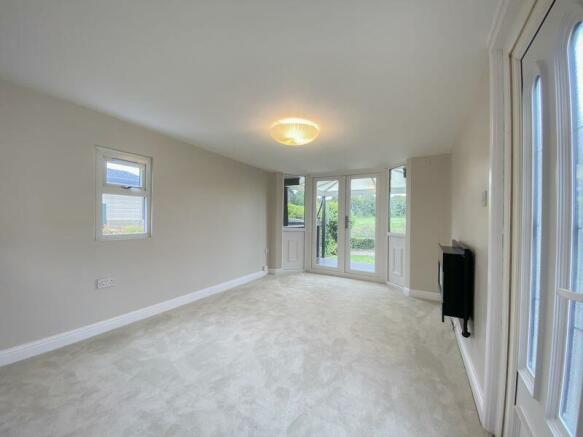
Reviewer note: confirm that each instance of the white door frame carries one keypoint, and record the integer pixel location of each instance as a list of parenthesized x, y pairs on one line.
[(506, 42), (378, 226), (513, 415), (382, 205), (340, 247), (389, 234), (508, 25)]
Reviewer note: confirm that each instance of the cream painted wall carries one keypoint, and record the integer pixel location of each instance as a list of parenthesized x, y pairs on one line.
[(275, 222), (209, 219), (428, 217), (469, 179)]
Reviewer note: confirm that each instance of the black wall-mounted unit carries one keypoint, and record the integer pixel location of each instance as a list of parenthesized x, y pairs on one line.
[(456, 283)]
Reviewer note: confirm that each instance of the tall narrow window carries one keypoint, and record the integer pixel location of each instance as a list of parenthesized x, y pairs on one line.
[(123, 195), (572, 384), (293, 201), (398, 200), (536, 223)]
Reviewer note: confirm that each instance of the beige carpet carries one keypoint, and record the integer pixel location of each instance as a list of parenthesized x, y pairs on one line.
[(297, 355)]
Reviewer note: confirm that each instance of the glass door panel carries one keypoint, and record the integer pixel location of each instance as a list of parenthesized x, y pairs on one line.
[(397, 200), (362, 224), (326, 223), (536, 195)]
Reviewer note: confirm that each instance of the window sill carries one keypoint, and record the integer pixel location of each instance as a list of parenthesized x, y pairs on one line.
[(123, 237)]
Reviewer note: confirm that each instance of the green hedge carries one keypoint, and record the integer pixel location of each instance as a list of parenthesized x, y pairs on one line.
[(362, 243), (295, 211)]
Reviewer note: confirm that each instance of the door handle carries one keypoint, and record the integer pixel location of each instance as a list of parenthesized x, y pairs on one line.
[(346, 222)]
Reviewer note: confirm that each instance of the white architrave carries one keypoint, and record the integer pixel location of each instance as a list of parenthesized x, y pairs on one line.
[(511, 24), (511, 15)]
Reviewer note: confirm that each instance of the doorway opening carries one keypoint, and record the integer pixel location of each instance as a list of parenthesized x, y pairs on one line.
[(346, 224)]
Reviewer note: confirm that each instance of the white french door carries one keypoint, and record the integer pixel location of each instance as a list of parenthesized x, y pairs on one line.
[(345, 225), (550, 336)]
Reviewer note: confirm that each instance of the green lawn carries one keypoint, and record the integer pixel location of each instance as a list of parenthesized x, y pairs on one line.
[(398, 225), (365, 259), (363, 227)]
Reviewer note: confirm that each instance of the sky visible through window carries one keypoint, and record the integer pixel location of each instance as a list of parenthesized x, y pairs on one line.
[(123, 174)]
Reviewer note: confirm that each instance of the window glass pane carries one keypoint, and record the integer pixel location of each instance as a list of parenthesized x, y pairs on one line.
[(327, 223), (293, 202), (535, 267), (573, 370), (124, 173), (362, 230), (397, 201), (122, 215), (573, 378)]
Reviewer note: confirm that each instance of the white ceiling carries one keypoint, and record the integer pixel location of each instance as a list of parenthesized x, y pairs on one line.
[(385, 79)]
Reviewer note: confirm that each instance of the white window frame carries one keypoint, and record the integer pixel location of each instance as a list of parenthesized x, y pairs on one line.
[(288, 227), (103, 155), (389, 231), (565, 147), (565, 158)]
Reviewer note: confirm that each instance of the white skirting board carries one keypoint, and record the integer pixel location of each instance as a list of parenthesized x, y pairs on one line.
[(284, 271), (425, 295), (419, 294), (27, 350), (475, 385)]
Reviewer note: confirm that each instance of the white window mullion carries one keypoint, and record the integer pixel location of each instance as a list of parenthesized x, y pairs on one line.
[(112, 189)]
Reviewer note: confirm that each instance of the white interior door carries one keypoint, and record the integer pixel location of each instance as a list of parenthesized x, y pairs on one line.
[(550, 342)]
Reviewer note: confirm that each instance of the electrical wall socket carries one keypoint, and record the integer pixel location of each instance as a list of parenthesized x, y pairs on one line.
[(105, 283)]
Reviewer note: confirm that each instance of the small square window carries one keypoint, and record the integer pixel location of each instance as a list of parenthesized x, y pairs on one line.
[(123, 195)]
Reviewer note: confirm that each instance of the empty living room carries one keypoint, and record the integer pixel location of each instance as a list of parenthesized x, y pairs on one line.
[(264, 218)]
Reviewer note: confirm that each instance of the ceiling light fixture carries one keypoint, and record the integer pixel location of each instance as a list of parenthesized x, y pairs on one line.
[(294, 131)]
